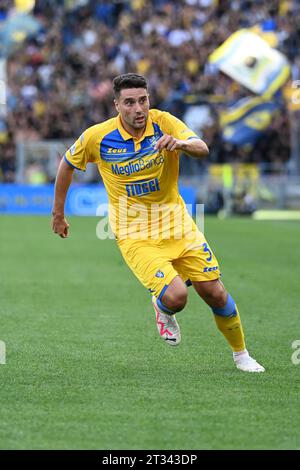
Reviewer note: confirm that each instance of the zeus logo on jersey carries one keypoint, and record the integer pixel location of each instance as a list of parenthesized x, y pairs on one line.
[(142, 188), (139, 165), (112, 150)]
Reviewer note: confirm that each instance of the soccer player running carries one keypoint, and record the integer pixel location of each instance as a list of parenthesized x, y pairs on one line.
[(137, 153)]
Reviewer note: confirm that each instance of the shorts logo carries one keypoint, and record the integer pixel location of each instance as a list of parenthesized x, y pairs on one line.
[(159, 274), (72, 149), (208, 270)]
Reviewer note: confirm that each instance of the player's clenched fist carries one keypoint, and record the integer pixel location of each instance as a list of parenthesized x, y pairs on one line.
[(60, 226), (167, 142)]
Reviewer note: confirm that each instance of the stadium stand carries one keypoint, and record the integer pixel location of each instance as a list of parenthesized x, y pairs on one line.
[(59, 80)]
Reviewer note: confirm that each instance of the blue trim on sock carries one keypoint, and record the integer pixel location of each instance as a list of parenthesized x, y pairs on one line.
[(162, 307), (228, 311), (163, 291)]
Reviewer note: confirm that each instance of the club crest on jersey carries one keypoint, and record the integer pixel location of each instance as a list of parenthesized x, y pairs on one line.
[(159, 274), (152, 140)]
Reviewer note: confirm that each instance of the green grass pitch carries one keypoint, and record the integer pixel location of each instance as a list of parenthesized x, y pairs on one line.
[(85, 368)]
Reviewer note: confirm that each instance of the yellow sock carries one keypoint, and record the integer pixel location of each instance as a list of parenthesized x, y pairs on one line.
[(232, 329)]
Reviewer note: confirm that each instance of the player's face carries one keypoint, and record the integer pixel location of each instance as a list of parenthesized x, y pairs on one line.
[(133, 106)]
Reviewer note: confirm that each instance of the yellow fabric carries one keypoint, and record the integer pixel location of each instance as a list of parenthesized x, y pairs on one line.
[(269, 36), (136, 176), (227, 176), (284, 7), (291, 94), (24, 6), (3, 137), (231, 328), (156, 262), (143, 66)]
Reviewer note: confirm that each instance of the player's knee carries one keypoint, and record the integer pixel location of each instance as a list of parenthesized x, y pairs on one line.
[(175, 300)]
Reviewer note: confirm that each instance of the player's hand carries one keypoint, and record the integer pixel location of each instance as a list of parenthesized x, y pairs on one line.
[(60, 226), (167, 142)]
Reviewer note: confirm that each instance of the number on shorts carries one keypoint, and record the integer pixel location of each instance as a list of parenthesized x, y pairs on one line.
[(207, 250)]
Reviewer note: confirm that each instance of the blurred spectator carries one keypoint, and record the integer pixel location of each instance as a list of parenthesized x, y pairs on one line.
[(243, 203)]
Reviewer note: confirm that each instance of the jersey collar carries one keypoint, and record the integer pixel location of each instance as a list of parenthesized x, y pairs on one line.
[(149, 131)]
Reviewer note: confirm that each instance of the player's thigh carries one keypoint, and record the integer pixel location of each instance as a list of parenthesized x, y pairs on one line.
[(198, 262), (150, 265)]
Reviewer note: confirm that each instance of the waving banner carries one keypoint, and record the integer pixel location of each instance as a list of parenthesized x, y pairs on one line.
[(249, 60), (244, 123)]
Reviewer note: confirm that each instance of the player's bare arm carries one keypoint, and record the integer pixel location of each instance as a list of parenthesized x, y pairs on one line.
[(64, 177), (193, 147)]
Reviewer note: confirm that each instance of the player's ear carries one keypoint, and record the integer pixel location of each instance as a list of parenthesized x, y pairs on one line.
[(116, 105)]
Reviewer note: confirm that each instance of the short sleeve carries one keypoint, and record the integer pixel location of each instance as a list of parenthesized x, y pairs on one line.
[(173, 126), (77, 156), (84, 150)]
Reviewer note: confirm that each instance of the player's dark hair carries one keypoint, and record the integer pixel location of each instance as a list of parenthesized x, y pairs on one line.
[(128, 80)]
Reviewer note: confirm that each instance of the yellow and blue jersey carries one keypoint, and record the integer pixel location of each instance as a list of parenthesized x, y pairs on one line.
[(134, 173)]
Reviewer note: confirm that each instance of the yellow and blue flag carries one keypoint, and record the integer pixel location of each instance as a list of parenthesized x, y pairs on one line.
[(245, 122), (24, 6), (249, 60)]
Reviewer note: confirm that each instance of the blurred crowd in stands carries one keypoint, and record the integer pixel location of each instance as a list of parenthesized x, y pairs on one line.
[(59, 82)]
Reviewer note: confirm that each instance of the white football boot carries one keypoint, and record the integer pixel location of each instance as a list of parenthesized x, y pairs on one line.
[(246, 363), (167, 326)]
